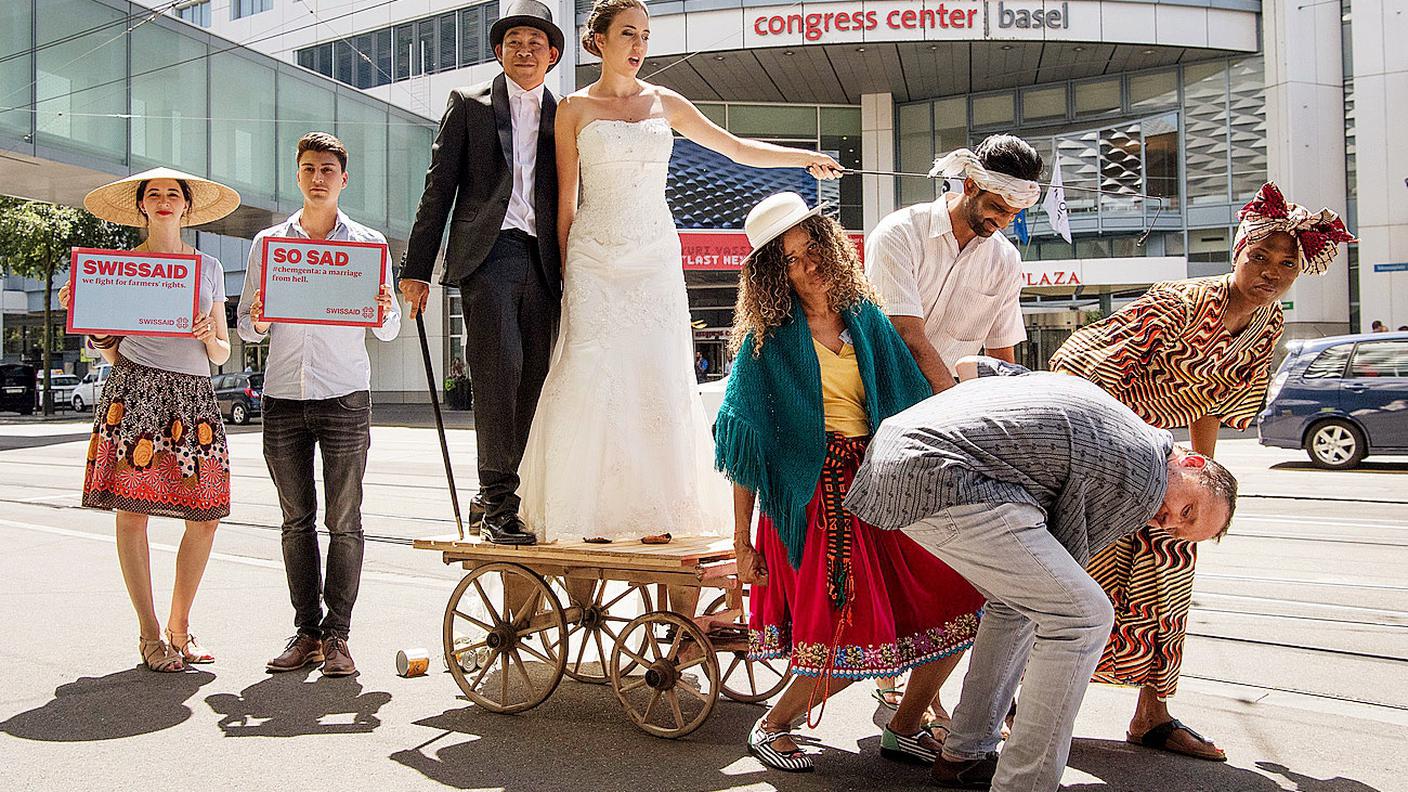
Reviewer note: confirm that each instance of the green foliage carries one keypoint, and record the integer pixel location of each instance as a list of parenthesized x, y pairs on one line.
[(35, 242), (35, 237)]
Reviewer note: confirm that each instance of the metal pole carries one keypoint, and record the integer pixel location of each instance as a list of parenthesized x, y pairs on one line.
[(439, 421)]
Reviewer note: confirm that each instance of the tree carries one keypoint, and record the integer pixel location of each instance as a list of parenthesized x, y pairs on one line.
[(35, 240)]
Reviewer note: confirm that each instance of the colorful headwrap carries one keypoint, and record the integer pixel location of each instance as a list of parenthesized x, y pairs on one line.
[(1316, 234), (965, 164)]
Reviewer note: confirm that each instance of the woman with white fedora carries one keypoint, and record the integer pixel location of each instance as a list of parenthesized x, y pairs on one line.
[(818, 367), (158, 444)]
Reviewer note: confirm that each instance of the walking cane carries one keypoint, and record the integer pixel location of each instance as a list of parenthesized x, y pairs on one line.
[(439, 421)]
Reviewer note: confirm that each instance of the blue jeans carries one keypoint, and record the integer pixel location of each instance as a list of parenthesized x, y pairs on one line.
[(341, 429), (1044, 616)]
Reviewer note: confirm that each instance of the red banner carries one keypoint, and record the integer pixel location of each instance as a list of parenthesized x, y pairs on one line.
[(725, 250)]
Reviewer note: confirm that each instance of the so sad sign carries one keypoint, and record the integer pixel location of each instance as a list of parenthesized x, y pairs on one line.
[(309, 281)]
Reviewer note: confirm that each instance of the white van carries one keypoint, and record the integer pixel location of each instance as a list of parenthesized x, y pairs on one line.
[(90, 388)]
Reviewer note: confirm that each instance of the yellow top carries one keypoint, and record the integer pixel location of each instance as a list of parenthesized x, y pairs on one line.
[(842, 392)]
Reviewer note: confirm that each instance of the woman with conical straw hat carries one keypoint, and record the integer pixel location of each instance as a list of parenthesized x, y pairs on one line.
[(158, 444)]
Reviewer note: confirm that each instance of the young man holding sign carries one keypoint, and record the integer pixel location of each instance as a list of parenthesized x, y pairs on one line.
[(317, 391)]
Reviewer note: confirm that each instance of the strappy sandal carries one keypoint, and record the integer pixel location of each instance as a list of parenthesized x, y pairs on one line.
[(910, 747), (760, 741), (1160, 739), (884, 707), (190, 649), (656, 539), (158, 656)]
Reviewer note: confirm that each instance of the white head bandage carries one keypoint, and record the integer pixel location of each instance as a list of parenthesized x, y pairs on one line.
[(963, 163)]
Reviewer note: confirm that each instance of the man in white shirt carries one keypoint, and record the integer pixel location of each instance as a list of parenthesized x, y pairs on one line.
[(950, 281), (317, 392)]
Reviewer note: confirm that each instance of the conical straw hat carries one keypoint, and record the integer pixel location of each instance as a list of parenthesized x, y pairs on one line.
[(117, 202)]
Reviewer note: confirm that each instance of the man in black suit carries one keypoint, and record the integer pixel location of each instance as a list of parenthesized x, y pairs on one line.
[(494, 162)]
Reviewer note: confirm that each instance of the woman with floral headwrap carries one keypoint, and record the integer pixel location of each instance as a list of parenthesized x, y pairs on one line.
[(1197, 354)]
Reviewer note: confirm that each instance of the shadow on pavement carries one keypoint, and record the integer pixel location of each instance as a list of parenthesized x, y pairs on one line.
[(293, 705), (583, 733), (1362, 467), (12, 442), (1126, 768), (122, 704)]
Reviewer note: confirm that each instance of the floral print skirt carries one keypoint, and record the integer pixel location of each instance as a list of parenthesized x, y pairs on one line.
[(901, 607), (158, 446)]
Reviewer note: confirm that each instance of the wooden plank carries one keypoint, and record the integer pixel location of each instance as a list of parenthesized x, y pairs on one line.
[(680, 554)]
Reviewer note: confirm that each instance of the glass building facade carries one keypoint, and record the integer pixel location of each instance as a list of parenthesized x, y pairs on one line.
[(83, 83), (1192, 136), (96, 89), (430, 45)]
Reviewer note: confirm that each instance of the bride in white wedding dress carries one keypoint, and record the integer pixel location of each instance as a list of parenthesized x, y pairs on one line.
[(620, 447)]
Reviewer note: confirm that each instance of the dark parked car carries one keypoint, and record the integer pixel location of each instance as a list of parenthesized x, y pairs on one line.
[(1340, 398), (239, 396), (17, 388)]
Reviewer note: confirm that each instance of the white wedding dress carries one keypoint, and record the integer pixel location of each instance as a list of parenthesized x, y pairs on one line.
[(620, 445)]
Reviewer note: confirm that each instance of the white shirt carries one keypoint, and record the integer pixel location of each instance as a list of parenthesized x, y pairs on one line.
[(969, 300), (314, 361), (527, 109)]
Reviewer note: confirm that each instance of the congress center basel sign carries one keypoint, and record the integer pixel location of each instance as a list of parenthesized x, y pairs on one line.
[(824, 22), (322, 281)]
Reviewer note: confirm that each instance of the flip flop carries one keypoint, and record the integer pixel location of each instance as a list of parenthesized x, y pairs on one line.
[(596, 540), (1159, 736), (656, 539)]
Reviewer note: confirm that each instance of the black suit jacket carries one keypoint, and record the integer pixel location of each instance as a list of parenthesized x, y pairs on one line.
[(471, 172)]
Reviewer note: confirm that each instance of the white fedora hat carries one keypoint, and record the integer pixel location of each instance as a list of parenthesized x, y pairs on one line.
[(116, 202), (775, 214)]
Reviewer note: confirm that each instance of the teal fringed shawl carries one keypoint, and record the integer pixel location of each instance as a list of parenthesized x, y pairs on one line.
[(770, 435)]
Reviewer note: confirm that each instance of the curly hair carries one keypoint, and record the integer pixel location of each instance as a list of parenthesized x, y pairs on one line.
[(599, 20), (765, 293)]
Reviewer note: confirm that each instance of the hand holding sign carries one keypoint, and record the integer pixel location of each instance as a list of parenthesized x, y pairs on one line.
[(309, 281)]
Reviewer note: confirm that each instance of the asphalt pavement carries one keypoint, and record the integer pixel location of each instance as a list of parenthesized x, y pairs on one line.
[(1295, 662)]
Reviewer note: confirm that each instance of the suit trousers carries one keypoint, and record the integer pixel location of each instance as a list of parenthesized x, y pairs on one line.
[(510, 322)]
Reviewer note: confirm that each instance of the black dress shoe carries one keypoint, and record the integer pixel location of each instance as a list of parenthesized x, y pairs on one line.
[(507, 531), (476, 515)]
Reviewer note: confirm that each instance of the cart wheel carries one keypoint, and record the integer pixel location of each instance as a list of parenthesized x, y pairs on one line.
[(679, 684), (741, 679), (505, 625), (598, 625)]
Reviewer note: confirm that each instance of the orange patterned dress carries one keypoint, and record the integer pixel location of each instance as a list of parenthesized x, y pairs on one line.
[(1169, 358)]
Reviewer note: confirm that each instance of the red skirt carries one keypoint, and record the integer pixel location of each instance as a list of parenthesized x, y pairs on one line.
[(901, 606)]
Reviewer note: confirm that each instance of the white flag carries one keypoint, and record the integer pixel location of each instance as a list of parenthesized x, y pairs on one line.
[(1055, 204)]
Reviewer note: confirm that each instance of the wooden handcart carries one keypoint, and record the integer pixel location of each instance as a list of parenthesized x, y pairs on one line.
[(624, 614)]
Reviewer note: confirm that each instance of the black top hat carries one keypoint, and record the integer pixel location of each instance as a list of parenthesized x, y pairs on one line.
[(529, 13)]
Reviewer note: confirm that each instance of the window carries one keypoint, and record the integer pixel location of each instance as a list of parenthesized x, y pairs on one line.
[(1098, 96), (240, 9), (1330, 363), (1044, 104), (1380, 359), (993, 110), (195, 13), (439, 43), (405, 47)]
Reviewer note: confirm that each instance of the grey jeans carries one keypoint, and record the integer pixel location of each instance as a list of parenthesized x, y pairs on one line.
[(341, 429), (1044, 616)]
